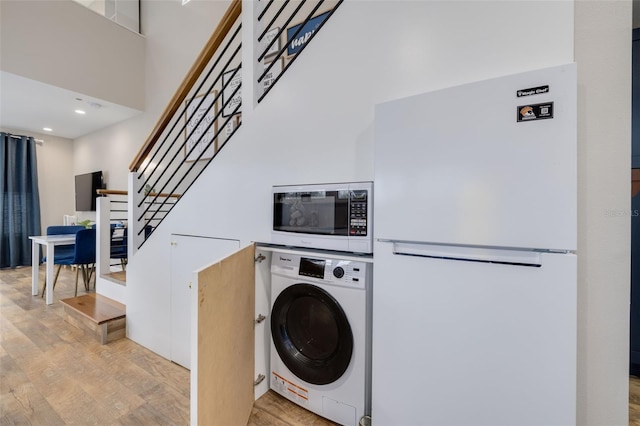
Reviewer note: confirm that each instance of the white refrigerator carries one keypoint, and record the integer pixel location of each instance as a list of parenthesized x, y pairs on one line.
[(475, 273)]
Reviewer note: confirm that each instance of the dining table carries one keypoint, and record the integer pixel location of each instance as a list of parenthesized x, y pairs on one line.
[(50, 242)]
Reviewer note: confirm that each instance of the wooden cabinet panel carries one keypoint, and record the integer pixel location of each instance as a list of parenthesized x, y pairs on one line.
[(225, 365)]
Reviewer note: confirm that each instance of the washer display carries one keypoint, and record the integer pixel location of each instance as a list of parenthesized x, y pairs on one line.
[(321, 333)]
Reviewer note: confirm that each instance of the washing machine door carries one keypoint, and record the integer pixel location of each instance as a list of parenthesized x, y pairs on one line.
[(311, 333)]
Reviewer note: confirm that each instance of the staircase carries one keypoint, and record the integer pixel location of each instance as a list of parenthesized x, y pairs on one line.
[(206, 110), (204, 115), (224, 159)]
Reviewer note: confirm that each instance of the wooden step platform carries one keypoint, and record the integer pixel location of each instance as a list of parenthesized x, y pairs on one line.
[(97, 315)]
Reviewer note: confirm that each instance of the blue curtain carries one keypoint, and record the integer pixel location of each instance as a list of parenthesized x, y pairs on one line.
[(19, 199)]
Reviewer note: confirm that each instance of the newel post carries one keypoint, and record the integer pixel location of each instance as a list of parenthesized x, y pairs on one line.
[(103, 235), (251, 68), (135, 233)]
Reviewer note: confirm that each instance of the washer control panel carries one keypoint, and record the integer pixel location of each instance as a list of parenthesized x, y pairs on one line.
[(345, 272)]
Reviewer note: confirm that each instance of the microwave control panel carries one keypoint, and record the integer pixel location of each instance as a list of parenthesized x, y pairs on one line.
[(358, 213)]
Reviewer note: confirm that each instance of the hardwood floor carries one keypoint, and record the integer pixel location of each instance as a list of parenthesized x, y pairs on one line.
[(52, 373), (634, 401), (273, 410), (118, 276)]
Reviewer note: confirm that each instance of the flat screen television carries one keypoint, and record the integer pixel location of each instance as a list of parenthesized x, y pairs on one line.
[(86, 186)]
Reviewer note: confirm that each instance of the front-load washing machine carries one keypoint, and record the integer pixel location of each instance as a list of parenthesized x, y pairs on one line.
[(321, 333)]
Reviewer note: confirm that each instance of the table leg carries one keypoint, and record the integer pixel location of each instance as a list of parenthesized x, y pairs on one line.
[(35, 267), (50, 254)]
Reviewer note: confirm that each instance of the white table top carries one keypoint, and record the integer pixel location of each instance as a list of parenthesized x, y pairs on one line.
[(55, 239)]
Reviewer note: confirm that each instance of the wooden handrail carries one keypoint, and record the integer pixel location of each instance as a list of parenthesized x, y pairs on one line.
[(111, 192), (120, 192), (216, 39)]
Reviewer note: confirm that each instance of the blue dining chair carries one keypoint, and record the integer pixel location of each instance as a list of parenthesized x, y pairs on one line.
[(64, 230), (119, 247), (64, 250), (83, 257)]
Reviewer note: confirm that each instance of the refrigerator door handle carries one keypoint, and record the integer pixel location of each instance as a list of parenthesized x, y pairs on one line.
[(469, 254)]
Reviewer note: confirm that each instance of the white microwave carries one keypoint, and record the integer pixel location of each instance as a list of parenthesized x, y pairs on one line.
[(335, 216)]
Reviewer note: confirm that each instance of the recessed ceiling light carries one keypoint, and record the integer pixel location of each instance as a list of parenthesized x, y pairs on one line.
[(47, 129), (79, 111)]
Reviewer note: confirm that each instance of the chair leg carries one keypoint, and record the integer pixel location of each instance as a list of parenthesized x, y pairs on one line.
[(87, 284), (55, 280), (94, 275), (92, 269), (77, 270), (87, 277)]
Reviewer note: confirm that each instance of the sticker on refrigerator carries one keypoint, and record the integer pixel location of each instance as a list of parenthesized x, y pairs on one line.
[(534, 112), (533, 91)]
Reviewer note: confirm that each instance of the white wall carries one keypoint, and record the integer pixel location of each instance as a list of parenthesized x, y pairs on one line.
[(603, 53), (170, 51), (55, 177), (74, 48), (316, 124)]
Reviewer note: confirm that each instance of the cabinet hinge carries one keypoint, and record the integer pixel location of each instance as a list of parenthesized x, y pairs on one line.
[(259, 380)]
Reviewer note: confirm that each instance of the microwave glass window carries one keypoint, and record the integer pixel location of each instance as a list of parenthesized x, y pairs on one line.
[(319, 212)]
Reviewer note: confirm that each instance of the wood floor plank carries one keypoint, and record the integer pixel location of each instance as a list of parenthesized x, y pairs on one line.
[(144, 415), (170, 374), (19, 346), (634, 401), (168, 402), (20, 401), (44, 415), (634, 389), (260, 417), (75, 406), (109, 393), (120, 276), (38, 334), (286, 412)]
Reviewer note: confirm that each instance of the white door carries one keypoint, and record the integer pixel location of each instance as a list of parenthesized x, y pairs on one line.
[(469, 342), (458, 166), (189, 253)]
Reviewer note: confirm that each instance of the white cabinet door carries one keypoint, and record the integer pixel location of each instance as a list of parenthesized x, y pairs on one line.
[(189, 253), (455, 166), (498, 338)]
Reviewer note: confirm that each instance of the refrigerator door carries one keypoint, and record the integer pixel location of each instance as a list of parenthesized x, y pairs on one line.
[(475, 343), (480, 165)]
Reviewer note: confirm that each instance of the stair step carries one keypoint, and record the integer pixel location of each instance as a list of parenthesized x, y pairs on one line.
[(98, 315)]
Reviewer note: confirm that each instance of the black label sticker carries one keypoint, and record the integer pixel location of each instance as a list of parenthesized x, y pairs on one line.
[(533, 91), (535, 112)]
